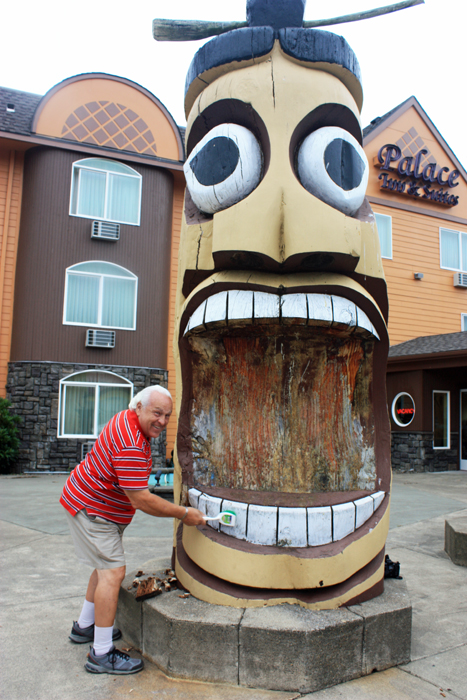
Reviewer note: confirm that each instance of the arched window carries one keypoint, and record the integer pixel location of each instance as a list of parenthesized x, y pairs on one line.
[(99, 293), (88, 400), (105, 190)]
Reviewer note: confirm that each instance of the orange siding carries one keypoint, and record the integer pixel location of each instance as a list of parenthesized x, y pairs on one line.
[(179, 187), (11, 179), (417, 308)]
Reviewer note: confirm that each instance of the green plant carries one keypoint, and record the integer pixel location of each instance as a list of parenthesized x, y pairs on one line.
[(9, 437)]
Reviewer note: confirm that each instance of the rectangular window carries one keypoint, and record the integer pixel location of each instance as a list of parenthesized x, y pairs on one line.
[(441, 420), (453, 249), (384, 224), (463, 322)]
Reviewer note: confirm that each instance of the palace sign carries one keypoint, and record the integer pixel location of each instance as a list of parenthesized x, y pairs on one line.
[(430, 183)]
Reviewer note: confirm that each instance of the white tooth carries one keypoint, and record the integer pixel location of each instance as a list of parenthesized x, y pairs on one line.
[(216, 308), (262, 524), (343, 516), (196, 318), (294, 306), (241, 511), (364, 322), (240, 304), (210, 506), (319, 308), (291, 530), (319, 526), (344, 311), (266, 305), (378, 498), (258, 524), (193, 497), (364, 508)]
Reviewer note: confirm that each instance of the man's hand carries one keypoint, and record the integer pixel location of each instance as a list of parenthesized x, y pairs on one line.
[(143, 499)]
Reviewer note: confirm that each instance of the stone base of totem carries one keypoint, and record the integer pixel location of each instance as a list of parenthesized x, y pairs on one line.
[(283, 647)]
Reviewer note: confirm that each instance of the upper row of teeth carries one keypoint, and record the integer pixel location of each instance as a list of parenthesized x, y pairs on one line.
[(288, 527), (309, 309)]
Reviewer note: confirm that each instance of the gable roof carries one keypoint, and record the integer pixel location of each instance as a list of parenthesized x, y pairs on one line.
[(430, 344), (378, 125), (25, 104)]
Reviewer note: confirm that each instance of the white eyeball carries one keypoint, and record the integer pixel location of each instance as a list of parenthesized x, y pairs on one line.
[(333, 166), (223, 168)]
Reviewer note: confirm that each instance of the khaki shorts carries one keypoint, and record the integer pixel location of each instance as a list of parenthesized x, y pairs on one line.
[(98, 542)]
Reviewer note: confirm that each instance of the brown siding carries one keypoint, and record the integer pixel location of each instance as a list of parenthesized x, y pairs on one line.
[(11, 175), (51, 240)]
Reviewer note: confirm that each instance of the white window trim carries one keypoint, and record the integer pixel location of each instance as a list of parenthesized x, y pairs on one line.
[(101, 275), (463, 322), (80, 165), (385, 257), (67, 381), (448, 394), (459, 243)]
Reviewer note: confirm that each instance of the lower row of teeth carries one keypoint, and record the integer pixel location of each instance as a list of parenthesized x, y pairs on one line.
[(288, 527)]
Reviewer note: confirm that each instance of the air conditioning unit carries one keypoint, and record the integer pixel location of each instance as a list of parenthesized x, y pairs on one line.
[(100, 339), (85, 448), (106, 231), (460, 279)]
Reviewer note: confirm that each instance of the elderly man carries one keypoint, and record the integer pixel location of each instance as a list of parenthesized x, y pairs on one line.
[(100, 497)]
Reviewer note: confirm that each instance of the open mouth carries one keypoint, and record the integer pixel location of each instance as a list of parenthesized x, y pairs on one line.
[(277, 420)]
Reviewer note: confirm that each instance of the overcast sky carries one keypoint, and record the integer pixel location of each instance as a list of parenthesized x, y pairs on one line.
[(418, 51)]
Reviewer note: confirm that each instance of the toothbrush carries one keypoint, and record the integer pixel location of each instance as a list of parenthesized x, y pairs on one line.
[(226, 517)]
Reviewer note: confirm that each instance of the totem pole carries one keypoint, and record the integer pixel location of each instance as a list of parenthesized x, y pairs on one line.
[(281, 340)]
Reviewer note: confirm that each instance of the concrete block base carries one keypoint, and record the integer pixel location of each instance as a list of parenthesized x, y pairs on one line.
[(284, 647), (455, 537)]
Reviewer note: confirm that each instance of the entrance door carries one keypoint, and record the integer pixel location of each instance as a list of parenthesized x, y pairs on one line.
[(463, 430)]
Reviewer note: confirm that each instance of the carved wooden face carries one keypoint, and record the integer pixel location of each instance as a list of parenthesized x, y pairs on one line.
[(281, 344)]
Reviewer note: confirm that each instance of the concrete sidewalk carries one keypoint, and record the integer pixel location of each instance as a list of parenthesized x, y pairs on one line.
[(42, 587)]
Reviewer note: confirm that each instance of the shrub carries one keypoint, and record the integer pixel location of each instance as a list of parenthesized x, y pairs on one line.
[(9, 437)]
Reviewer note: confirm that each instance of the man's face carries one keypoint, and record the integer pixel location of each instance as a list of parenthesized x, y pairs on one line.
[(153, 417), (282, 346)]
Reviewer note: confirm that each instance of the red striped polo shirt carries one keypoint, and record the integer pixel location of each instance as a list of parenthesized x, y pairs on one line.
[(120, 459)]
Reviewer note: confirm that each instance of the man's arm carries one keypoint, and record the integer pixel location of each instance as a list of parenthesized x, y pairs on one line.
[(143, 499)]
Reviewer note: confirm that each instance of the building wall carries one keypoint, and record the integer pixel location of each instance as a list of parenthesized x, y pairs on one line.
[(179, 192), (51, 240), (11, 176), (33, 389), (430, 306), (433, 305)]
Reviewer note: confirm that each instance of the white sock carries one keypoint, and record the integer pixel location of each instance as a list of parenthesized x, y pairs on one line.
[(103, 640), (87, 615)]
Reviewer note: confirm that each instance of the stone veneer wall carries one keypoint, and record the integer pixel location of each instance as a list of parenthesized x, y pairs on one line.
[(414, 452), (33, 389)]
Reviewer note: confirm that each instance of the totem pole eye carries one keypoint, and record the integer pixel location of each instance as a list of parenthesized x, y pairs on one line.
[(223, 168), (333, 166)]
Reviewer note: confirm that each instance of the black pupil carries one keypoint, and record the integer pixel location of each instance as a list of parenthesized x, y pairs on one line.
[(343, 164), (216, 161)]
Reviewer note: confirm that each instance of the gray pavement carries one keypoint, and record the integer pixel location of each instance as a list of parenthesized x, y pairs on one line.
[(42, 587)]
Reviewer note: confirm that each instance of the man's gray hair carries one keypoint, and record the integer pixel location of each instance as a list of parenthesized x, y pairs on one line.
[(144, 395)]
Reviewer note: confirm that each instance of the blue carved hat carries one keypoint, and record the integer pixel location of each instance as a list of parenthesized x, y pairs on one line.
[(268, 21)]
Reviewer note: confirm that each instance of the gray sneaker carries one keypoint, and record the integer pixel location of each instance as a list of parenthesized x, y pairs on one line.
[(115, 662), (79, 635)]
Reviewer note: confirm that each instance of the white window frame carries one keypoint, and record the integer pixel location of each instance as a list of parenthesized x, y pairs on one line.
[(448, 394), (386, 216), (463, 322), (75, 182), (101, 275), (460, 235), (68, 381)]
